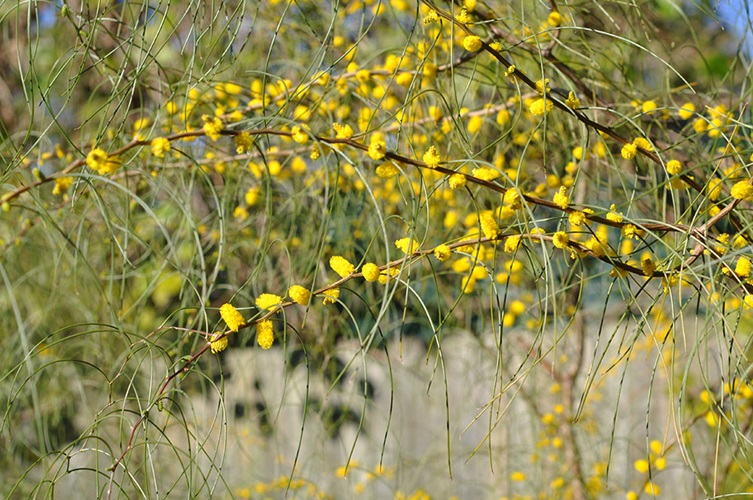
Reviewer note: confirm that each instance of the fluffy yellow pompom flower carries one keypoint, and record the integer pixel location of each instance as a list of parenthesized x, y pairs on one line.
[(577, 218), (643, 143), (555, 18), (648, 106), (561, 199), (218, 343), (512, 243), (341, 266), (686, 111), (674, 167), (456, 181), (742, 191), (343, 131), (299, 135), (265, 334), (267, 301), (560, 239), (472, 43), (629, 151), (407, 245), (542, 86), (743, 267), (613, 215), (387, 170), (370, 272), (331, 296), (442, 252), (212, 127), (299, 294), (99, 161), (540, 107), (377, 149), (232, 317), (489, 224), (160, 146), (431, 157)]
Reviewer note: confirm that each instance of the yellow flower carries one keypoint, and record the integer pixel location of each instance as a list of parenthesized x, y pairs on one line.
[(343, 131), (643, 143), (686, 111), (542, 86), (555, 18), (331, 296), (456, 181), (512, 243), (218, 343), (387, 170), (612, 215), (160, 146), (561, 199), (629, 151), (407, 245), (431, 157), (540, 106), (572, 101), (560, 239), (742, 190), (489, 224), (299, 294), (674, 167), (99, 161), (431, 17), (341, 266), (62, 184), (648, 266), (472, 43), (377, 149), (577, 218), (648, 106), (641, 466), (265, 334), (267, 301), (243, 142), (743, 267), (442, 252), (212, 127), (299, 135), (232, 317), (370, 272)]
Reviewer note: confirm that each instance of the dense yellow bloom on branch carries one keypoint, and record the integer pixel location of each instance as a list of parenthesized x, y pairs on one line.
[(267, 301), (299, 135), (407, 245), (674, 167), (299, 294), (104, 164), (629, 151), (489, 224), (331, 296), (341, 266), (232, 317), (472, 43), (265, 334), (212, 127), (431, 157), (560, 239), (457, 181), (370, 272), (561, 199), (218, 343), (742, 191), (160, 146), (442, 252), (743, 267), (540, 106)]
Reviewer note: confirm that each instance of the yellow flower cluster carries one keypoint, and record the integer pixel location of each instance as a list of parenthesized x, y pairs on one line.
[(341, 266), (268, 301), (212, 127), (299, 294), (265, 334), (407, 245), (160, 146), (232, 317), (104, 164), (472, 43), (431, 157)]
